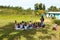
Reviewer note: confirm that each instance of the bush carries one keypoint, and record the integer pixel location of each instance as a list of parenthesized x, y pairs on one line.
[(57, 22), (53, 17)]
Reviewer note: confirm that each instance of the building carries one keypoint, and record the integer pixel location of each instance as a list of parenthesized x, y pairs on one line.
[(51, 14)]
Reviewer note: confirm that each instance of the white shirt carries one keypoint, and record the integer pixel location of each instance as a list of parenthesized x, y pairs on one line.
[(55, 25)]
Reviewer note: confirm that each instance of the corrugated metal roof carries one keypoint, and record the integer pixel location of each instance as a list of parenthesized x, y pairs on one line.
[(53, 12)]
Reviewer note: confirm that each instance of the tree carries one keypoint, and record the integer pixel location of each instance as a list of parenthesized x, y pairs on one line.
[(43, 7), (29, 10), (59, 9), (53, 8), (40, 6), (20, 8), (36, 6)]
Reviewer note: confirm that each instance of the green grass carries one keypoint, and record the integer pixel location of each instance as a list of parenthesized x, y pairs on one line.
[(6, 19), (7, 31)]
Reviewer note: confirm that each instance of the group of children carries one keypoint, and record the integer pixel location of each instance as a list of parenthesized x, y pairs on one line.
[(28, 25)]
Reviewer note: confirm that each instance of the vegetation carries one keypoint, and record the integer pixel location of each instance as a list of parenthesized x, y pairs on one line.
[(31, 34), (15, 11), (53, 17), (39, 8), (8, 14), (53, 8), (57, 21)]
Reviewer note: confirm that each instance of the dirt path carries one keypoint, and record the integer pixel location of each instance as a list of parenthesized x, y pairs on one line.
[(58, 28)]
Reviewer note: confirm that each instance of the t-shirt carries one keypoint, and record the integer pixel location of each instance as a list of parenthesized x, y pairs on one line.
[(55, 25), (18, 26), (21, 26)]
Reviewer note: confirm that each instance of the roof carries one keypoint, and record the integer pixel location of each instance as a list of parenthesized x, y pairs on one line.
[(53, 12)]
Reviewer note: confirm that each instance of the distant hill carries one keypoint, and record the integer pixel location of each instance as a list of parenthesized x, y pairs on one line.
[(7, 10)]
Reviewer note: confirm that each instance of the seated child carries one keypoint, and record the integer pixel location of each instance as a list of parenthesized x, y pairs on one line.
[(55, 27), (34, 25), (17, 27), (26, 26), (30, 25), (21, 26)]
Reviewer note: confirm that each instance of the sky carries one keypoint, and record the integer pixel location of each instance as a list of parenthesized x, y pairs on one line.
[(30, 3)]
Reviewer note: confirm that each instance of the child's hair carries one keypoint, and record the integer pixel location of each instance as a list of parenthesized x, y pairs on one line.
[(18, 25), (30, 21), (25, 23), (22, 21)]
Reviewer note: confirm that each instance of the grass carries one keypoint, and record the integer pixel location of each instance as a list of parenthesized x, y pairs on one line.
[(6, 19), (7, 31)]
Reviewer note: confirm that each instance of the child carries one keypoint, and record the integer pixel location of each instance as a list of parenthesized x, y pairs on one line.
[(18, 27), (15, 25), (21, 26), (30, 25), (25, 26), (34, 25), (55, 27)]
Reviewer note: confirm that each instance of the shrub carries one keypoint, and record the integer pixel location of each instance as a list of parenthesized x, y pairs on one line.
[(57, 22), (53, 17)]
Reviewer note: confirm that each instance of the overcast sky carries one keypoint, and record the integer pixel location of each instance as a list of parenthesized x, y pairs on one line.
[(29, 3)]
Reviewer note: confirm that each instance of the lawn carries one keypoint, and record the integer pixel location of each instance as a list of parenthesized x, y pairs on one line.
[(6, 19), (7, 31)]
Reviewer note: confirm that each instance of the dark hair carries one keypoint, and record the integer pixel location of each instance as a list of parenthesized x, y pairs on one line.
[(42, 18), (25, 23), (18, 25), (22, 21), (30, 21)]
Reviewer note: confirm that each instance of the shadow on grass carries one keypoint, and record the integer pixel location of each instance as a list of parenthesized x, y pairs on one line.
[(8, 29), (8, 32), (44, 30), (48, 37)]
